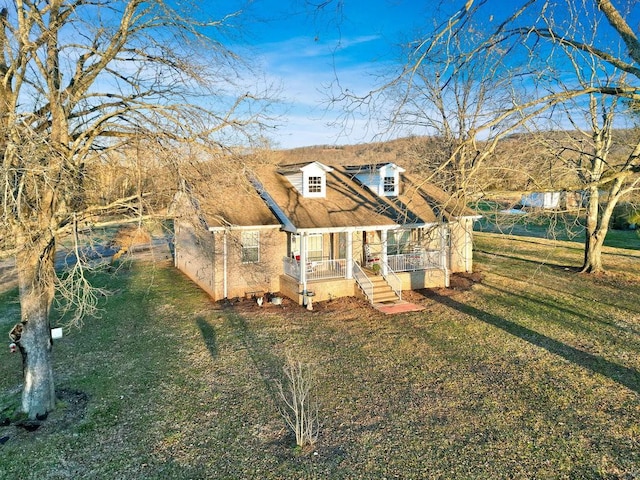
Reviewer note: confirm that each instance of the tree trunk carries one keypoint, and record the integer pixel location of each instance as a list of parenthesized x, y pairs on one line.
[(36, 278), (593, 252), (596, 228)]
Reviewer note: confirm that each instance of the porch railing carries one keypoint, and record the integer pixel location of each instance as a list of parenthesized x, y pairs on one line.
[(291, 267), (393, 280), (418, 260), (316, 269), (363, 281)]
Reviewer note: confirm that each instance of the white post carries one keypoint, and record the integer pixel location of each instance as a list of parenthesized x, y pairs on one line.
[(225, 280), (349, 266), (303, 265), (444, 252), (383, 254)]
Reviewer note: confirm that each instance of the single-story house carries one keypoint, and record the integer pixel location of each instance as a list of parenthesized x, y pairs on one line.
[(553, 200), (328, 231)]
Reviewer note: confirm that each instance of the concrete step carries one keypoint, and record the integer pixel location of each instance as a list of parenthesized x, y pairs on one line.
[(382, 291), (385, 298)]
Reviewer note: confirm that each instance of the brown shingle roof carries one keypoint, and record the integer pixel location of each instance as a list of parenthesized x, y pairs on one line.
[(350, 204), (347, 202), (235, 205)]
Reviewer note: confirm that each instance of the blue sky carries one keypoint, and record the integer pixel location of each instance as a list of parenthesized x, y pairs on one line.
[(303, 51)]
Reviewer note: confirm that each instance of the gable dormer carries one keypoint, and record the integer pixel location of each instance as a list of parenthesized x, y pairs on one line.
[(309, 179), (382, 179)]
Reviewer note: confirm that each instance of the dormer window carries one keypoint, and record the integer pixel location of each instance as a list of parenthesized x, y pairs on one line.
[(389, 185), (309, 179), (381, 178), (315, 185)]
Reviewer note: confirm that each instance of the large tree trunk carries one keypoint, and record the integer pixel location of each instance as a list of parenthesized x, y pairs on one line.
[(593, 252), (36, 279), (593, 239), (598, 217)]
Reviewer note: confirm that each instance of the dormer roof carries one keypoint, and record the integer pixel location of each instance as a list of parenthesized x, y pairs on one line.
[(375, 167), (269, 199), (383, 179), (302, 167), (309, 179)]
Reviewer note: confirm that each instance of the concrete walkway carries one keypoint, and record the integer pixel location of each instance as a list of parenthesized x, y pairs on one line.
[(399, 307)]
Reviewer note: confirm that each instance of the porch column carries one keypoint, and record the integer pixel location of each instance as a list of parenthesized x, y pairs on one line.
[(303, 258), (349, 266), (383, 254), (444, 252)]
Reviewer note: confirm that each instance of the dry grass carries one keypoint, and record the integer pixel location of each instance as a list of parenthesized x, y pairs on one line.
[(525, 370)]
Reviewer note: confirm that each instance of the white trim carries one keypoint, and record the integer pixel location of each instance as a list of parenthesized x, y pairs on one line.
[(244, 227), (225, 272), (367, 228), (285, 223)]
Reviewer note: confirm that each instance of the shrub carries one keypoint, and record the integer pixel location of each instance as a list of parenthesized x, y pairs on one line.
[(625, 216), (299, 406)]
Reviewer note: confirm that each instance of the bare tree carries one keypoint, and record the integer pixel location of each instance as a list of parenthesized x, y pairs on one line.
[(587, 59), (299, 406), (549, 44), (598, 159), (453, 103), (79, 80)]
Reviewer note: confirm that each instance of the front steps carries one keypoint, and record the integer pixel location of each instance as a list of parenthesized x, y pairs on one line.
[(382, 291)]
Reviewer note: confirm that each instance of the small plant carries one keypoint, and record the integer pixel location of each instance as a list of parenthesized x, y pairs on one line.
[(376, 268), (299, 407)]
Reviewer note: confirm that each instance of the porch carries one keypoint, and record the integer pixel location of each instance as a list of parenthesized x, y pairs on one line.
[(331, 264)]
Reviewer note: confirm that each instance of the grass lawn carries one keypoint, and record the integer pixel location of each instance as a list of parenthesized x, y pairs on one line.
[(532, 372), (547, 224)]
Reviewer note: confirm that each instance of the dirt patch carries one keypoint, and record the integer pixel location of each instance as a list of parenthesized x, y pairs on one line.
[(339, 308), (458, 283), (247, 305), (70, 410), (351, 307), (464, 281), (343, 304)]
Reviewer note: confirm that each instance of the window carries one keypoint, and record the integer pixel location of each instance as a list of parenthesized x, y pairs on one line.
[(314, 247), (315, 184), (389, 185), (398, 242), (250, 247)]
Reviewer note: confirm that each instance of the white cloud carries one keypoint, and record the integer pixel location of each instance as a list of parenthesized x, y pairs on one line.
[(307, 71)]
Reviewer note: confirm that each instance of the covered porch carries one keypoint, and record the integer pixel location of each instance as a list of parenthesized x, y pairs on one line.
[(403, 256)]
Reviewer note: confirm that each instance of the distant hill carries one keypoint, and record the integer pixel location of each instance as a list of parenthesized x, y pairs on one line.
[(378, 152), (523, 162)]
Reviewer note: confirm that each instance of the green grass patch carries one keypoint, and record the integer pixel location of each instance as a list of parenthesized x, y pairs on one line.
[(546, 224), (532, 373)]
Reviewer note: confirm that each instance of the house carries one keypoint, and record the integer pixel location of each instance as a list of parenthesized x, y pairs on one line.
[(327, 230), (553, 200)]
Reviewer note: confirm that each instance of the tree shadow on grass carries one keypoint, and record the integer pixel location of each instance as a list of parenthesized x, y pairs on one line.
[(268, 365), (537, 262), (625, 376), (208, 335)]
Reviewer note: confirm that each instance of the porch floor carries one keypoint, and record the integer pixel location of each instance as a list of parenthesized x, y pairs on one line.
[(398, 307)]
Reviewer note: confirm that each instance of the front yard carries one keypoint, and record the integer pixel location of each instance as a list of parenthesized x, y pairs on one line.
[(525, 370)]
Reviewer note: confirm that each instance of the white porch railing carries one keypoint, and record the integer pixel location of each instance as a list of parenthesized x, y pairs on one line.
[(418, 260), (363, 281), (393, 280), (291, 267), (316, 269)]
